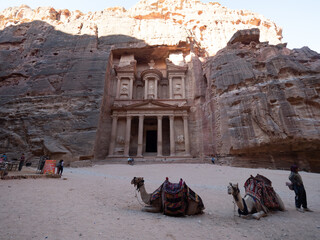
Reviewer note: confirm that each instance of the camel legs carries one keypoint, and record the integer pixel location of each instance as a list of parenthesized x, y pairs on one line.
[(282, 207), (258, 215), (151, 209)]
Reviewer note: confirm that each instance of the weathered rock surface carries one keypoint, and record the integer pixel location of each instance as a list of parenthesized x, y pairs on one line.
[(255, 100), (264, 104), (154, 21)]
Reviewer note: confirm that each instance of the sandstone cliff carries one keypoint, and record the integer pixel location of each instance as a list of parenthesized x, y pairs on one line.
[(154, 21), (54, 68), (263, 103)]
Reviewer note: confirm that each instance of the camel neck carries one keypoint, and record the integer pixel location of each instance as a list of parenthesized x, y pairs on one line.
[(144, 195), (238, 200)]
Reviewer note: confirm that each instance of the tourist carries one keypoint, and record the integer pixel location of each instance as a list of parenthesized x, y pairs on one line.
[(213, 159), (42, 162), (297, 184), (4, 157), (22, 159), (60, 167), (130, 161)]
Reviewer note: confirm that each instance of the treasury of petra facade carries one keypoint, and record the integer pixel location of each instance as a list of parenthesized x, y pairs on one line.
[(149, 107)]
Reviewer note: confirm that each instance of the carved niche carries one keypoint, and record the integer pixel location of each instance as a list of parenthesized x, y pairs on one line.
[(176, 76), (124, 92), (177, 88), (126, 72), (151, 78)]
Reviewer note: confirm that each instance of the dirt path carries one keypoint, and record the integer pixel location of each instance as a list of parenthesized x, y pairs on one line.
[(100, 203)]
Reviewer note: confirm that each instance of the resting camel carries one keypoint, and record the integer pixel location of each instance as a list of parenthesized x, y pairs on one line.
[(193, 207), (248, 205)]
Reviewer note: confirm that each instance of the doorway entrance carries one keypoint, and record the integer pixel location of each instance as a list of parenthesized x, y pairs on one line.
[(151, 141)]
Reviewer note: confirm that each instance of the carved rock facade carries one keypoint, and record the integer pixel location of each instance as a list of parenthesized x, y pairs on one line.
[(110, 84)]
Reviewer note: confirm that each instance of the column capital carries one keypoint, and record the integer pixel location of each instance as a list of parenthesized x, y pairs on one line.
[(159, 117), (129, 117), (185, 117), (171, 117)]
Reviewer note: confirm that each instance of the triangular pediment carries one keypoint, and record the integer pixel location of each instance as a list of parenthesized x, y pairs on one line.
[(126, 68), (149, 104), (175, 68)]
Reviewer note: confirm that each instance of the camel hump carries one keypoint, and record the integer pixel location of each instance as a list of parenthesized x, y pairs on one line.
[(261, 189), (177, 199)]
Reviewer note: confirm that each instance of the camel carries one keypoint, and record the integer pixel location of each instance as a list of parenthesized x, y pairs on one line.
[(156, 205), (249, 206)]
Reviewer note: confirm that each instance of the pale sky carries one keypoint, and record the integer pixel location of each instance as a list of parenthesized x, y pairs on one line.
[(299, 19)]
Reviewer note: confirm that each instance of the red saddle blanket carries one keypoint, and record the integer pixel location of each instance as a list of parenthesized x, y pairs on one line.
[(174, 197), (261, 189)]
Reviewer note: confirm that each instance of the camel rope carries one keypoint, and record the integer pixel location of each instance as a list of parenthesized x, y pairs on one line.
[(234, 212), (136, 195), (234, 208)]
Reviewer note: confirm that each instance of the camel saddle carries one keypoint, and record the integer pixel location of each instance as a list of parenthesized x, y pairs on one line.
[(175, 197), (260, 188)]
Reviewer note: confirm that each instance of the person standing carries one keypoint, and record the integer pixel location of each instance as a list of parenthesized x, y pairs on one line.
[(4, 158), (60, 167), (22, 159), (298, 187), (130, 161)]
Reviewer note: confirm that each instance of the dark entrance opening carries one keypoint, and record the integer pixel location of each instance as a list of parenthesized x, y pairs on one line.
[(151, 141)]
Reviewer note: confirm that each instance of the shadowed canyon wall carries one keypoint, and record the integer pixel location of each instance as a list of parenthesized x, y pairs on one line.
[(253, 103), (51, 89), (263, 104)]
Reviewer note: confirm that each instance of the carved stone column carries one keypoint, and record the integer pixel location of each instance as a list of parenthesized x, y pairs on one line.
[(127, 140), (186, 135), (131, 88), (146, 86), (155, 89), (140, 136), (159, 136), (183, 87), (118, 88), (170, 88), (172, 141), (113, 134)]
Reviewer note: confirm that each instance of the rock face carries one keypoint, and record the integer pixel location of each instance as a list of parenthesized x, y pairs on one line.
[(156, 22), (263, 104), (254, 103)]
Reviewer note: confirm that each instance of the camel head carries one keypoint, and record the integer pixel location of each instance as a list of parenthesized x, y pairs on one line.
[(137, 182), (233, 189)]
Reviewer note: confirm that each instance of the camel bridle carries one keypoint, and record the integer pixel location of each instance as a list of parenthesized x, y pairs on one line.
[(235, 192), (139, 183)]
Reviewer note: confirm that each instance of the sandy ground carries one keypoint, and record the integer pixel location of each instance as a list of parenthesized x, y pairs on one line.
[(99, 203)]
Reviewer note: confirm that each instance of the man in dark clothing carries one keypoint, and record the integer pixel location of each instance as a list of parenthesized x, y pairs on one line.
[(60, 167), (22, 159), (297, 184)]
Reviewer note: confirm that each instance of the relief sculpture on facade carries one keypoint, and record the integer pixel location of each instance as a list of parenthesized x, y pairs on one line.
[(151, 93), (180, 139), (124, 91)]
